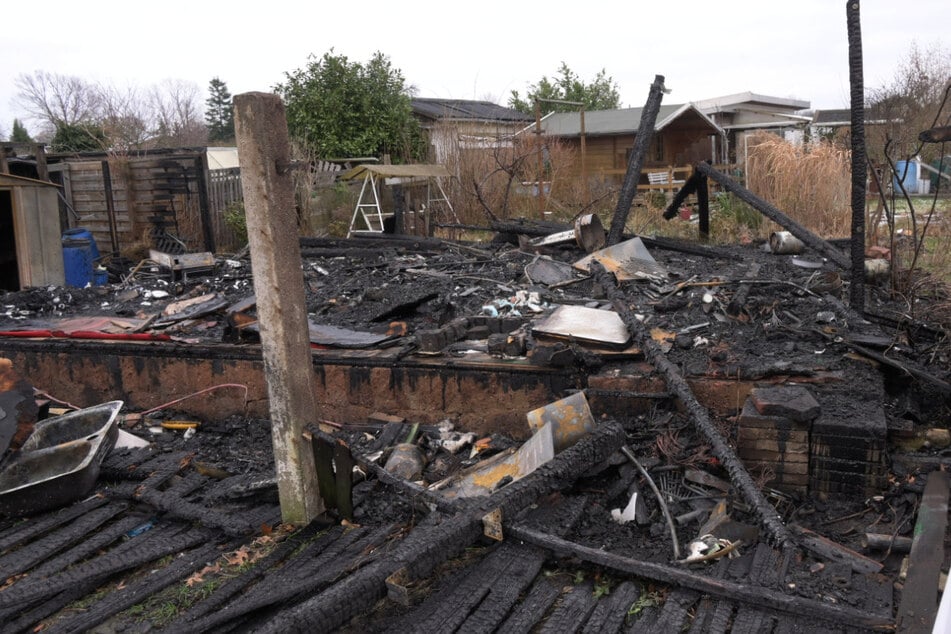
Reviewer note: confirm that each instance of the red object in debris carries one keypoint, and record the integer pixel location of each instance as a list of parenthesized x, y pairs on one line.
[(86, 334), (685, 213)]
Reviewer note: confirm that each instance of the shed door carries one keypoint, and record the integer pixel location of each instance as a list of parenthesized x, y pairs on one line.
[(9, 271)]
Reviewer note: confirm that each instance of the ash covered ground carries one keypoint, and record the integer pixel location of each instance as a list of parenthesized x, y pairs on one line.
[(793, 322)]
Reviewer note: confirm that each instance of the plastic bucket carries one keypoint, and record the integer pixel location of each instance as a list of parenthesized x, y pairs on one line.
[(100, 277), (77, 262), (79, 233)]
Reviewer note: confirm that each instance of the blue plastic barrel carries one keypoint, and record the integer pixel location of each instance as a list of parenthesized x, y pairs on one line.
[(79, 233), (908, 178), (77, 262)]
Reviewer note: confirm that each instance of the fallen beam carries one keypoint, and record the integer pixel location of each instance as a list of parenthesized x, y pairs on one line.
[(940, 134), (735, 307), (774, 214), (678, 386), (757, 596), (831, 551)]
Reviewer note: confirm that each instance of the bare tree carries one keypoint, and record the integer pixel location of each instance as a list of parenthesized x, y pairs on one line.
[(910, 102), (179, 119), (53, 99), (125, 118)]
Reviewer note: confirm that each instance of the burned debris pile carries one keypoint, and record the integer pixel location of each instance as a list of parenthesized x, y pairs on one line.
[(718, 443)]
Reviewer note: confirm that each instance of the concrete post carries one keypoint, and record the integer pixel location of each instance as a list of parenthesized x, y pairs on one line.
[(264, 157)]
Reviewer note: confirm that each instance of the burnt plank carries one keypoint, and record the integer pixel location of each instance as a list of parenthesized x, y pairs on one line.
[(919, 598), (232, 587), (674, 614), (876, 592), (446, 609), (750, 621), (644, 621), (22, 559), (721, 619), (24, 617), (308, 576), (609, 614), (120, 599), (92, 544), (533, 608), (525, 562), (703, 616), (31, 529), (127, 556), (571, 611)]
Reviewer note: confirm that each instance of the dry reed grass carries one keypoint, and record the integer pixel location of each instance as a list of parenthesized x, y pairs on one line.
[(809, 182)]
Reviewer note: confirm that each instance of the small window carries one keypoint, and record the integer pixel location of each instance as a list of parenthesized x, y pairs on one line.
[(659, 148)]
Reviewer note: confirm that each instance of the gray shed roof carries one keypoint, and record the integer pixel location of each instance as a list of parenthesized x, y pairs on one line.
[(466, 110), (622, 121)]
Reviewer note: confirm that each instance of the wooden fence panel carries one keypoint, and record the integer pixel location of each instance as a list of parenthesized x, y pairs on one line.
[(224, 190), (89, 201)]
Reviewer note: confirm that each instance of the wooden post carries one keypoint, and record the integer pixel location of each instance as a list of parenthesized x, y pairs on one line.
[(859, 157), (264, 151), (204, 206), (703, 206), (645, 132), (540, 159), (110, 207)]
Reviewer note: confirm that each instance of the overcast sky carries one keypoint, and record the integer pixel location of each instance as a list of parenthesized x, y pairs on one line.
[(472, 50)]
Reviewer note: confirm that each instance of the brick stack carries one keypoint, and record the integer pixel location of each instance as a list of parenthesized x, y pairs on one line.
[(848, 446), (773, 433)]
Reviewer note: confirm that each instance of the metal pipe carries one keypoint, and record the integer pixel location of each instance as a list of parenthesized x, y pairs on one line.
[(660, 499)]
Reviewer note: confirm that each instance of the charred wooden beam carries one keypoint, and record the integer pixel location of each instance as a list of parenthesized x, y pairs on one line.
[(126, 596), (682, 246), (859, 158), (703, 208), (678, 385), (690, 187), (735, 307), (645, 132), (940, 134), (774, 214), (149, 547), (758, 596), (236, 585)]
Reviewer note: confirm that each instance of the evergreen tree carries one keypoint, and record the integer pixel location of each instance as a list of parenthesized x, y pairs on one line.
[(78, 138), (337, 108), (220, 113), (600, 94), (19, 134)]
